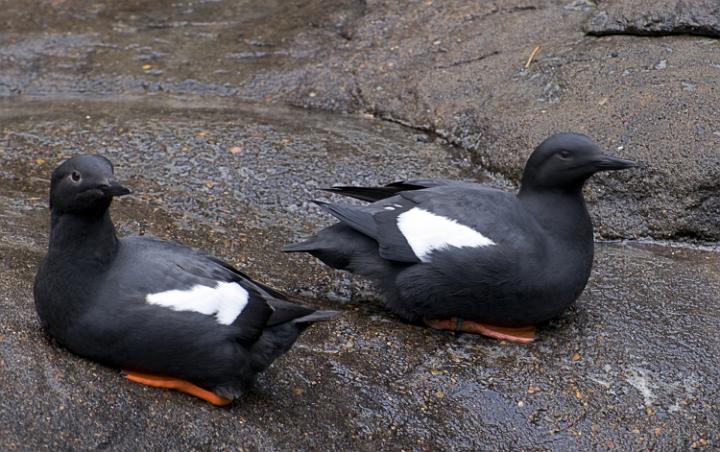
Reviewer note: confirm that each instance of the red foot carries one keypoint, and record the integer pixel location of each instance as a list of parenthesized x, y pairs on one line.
[(521, 335), (159, 381)]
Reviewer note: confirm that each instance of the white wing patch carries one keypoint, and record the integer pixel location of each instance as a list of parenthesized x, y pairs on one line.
[(225, 301), (426, 232)]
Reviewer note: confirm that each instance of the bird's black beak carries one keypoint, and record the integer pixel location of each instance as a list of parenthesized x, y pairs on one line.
[(608, 163), (112, 188)]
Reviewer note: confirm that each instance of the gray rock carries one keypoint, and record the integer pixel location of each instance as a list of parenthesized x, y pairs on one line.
[(456, 69), (656, 18)]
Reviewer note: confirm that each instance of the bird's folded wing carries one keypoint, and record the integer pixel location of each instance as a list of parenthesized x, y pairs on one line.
[(170, 275), (411, 226)]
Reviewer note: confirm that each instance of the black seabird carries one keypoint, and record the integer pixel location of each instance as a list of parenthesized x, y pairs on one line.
[(465, 257), (169, 315)]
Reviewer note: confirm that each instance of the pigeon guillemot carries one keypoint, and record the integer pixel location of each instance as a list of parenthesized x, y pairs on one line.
[(465, 257), (168, 315)]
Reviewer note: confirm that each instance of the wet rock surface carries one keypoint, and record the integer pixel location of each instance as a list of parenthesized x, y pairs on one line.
[(458, 69), (633, 365), (190, 100), (656, 18)]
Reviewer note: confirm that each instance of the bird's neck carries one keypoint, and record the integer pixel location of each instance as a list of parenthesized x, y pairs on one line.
[(89, 239), (561, 212)]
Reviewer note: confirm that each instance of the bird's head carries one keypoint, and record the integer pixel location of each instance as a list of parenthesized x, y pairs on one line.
[(566, 161), (84, 184)]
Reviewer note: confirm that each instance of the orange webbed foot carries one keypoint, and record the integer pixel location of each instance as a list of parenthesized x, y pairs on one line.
[(520, 335), (161, 381)]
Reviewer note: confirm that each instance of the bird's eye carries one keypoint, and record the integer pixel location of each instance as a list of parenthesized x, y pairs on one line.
[(564, 155), (75, 176)]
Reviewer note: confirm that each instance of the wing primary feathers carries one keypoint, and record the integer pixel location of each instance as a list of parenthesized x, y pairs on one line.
[(317, 316), (372, 194), (284, 312), (369, 194), (357, 219)]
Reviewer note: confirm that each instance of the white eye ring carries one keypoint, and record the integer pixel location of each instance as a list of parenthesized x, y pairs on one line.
[(75, 176)]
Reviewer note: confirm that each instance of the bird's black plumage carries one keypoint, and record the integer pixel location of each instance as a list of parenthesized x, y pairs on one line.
[(504, 259), (92, 295)]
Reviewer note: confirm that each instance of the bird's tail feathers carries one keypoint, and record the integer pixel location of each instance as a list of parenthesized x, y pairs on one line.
[(306, 245), (317, 316), (278, 339)]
